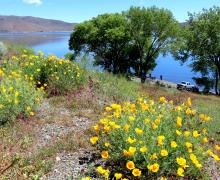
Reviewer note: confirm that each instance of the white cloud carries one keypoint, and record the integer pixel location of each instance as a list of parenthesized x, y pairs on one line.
[(35, 2)]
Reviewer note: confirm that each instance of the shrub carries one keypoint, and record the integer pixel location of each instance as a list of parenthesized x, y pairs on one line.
[(17, 97), (24, 77), (152, 140), (51, 73)]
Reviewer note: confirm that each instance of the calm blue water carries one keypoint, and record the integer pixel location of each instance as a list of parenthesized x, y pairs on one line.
[(173, 70), (57, 43), (58, 47)]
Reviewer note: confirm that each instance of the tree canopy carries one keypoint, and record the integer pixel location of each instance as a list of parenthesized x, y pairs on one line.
[(107, 37), (152, 30), (200, 40), (126, 41)]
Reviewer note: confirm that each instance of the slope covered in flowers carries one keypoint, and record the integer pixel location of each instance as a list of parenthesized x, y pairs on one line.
[(26, 78), (143, 139), (151, 140)]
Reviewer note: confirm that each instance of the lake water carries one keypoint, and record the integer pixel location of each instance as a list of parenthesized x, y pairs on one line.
[(57, 43)]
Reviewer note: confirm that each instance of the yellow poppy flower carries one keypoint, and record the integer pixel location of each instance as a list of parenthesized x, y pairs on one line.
[(105, 154), (93, 140), (118, 176), (180, 172), (154, 167), (173, 144), (143, 149), (130, 165), (136, 172), (164, 152)]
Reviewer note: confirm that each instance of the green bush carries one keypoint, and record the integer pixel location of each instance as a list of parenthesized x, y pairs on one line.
[(17, 97), (52, 74), (25, 77)]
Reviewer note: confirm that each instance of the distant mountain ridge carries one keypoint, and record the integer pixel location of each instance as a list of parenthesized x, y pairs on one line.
[(32, 24)]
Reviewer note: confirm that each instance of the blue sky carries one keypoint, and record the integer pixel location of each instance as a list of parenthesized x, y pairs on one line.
[(80, 10)]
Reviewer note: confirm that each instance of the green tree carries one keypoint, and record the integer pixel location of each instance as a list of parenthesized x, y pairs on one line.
[(125, 41), (152, 30), (200, 43), (107, 37)]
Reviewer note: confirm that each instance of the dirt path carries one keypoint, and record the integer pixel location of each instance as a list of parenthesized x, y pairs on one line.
[(59, 123)]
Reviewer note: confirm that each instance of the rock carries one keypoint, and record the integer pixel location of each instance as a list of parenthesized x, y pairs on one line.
[(58, 158), (47, 137)]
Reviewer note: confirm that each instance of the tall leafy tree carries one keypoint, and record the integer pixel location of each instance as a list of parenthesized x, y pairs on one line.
[(125, 41), (201, 42), (152, 30), (107, 37)]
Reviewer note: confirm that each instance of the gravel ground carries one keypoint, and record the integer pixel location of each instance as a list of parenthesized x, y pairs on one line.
[(50, 133), (72, 165), (81, 123), (67, 165), (213, 169)]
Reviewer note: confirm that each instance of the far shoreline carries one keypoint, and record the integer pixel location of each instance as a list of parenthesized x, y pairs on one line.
[(11, 32)]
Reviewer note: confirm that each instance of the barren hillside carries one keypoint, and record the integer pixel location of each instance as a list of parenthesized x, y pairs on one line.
[(32, 24)]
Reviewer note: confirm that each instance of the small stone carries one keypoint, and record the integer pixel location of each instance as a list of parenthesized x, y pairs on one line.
[(58, 159), (47, 137), (25, 175)]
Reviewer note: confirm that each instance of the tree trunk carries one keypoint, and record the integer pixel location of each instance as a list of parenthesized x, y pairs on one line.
[(217, 78), (142, 73), (114, 71), (143, 77), (115, 65), (216, 82)]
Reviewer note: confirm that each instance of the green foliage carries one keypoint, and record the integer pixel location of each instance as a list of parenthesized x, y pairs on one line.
[(17, 97), (86, 63), (200, 41), (132, 39), (159, 138), (14, 49), (107, 37), (152, 30), (52, 74), (206, 82), (24, 79), (212, 106), (69, 56)]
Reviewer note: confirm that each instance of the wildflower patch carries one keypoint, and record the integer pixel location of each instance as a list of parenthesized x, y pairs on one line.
[(25, 78), (151, 139)]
